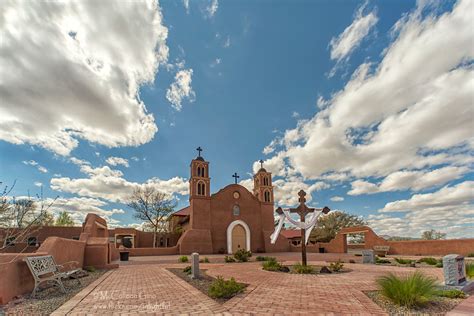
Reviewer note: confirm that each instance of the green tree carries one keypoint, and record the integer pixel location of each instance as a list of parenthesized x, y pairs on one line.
[(329, 225), (433, 235), (64, 219)]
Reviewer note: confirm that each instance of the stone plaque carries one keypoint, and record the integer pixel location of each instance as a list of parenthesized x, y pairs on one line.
[(454, 270), (368, 256), (195, 265)]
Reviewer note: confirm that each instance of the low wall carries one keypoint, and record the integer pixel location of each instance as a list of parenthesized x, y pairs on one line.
[(154, 251), (65, 251), (431, 247)]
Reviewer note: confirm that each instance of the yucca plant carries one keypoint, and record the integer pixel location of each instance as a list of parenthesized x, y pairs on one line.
[(412, 290)]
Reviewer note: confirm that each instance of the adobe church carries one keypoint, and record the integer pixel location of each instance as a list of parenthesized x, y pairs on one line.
[(231, 219)]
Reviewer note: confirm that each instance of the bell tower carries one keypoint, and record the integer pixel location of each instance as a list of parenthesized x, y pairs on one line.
[(262, 185), (199, 182)]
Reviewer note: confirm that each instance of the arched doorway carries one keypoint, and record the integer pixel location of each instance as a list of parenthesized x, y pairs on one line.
[(238, 236)]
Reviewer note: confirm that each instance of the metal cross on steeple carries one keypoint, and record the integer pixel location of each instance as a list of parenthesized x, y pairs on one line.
[(235, 176), (199, 149), (261, 163)]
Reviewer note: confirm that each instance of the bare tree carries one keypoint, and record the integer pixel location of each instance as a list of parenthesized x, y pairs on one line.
[(19, 218), (433, 235), (154, 207)]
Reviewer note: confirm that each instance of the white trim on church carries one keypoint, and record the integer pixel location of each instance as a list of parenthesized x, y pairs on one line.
[(229, 234)]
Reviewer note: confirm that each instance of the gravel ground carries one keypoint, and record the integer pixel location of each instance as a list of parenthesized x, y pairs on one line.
[(438, 306), (49, 299)]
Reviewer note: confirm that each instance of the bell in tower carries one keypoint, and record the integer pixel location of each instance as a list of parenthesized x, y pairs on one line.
[(199, 182), (262, 185)]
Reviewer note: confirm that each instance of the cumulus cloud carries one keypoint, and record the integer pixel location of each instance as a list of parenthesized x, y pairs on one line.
[(181, 89), (109, 184), (186, 5), (449, 210), (414, 111), (409, 180), (337, 198), (286, 191), (344, 44), (211, 8), (115, 161), (61, 81)]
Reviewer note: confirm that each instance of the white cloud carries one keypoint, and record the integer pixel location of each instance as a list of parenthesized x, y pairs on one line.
[(42, 169), (409, 180), (38, 184), (30, 162), (35, 164), (108, 184), (80, 86), (181, 89), (186, 5), (115, 161), (337, 198), (211, 9), (449, 210), (286, 191), (135, 158), (343, 45), (227, 42), (413, 112), (215, 62)]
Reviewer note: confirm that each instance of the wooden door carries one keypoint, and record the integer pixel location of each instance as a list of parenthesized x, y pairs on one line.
[(238, 238)]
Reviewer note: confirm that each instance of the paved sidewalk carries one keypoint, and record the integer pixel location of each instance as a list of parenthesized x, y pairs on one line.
[(150, 288)]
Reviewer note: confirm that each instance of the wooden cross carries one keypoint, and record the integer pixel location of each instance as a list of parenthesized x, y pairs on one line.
[(302, 210), (235, 176), (199, 149), (261, 163)]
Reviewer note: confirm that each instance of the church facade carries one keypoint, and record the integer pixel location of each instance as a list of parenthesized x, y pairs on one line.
[(232, 218)]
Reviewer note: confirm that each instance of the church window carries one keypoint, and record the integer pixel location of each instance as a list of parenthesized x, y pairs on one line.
[(236, 210), (266, 196), (201, 188), (265, 181)]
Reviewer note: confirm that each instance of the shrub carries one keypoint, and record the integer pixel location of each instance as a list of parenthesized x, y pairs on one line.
[(470, 254), (336, 266), (260, 258), (205, 260), (229, 259), (301, 269), (454, 293), (381, 261), (221, 288), (352, 261), (242, 255), (403, 261), (90, 269), (183, 259), (439, 264), (415, 289), (187, 270), (429, 260), (271, 265), (470, 270)]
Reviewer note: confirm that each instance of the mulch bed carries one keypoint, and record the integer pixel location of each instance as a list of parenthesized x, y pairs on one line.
[(202, 284), (438, 306), (50, 298)]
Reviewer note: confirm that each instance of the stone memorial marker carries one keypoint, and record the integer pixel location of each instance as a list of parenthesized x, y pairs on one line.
[(455, 272), (368, 256), (195, 265)]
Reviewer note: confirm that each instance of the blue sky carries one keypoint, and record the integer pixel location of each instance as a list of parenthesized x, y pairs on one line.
[(368, 106)]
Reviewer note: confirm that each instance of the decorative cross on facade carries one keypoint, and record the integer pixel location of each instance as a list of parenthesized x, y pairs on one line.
[(235, 176), (261, 163), (199, 149)]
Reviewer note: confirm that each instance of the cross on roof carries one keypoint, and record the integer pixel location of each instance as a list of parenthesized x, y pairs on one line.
[(261, 163), (235, 176), (199, 149)]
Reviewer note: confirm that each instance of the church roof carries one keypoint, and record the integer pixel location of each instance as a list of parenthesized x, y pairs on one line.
[(183, 212), (199, 158), (291, 233), (262, 170)]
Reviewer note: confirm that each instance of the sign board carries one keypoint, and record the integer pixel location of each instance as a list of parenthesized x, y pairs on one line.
[(454, 270)]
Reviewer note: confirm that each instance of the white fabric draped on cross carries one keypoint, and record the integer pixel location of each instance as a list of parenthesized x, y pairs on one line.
[(307, 225)]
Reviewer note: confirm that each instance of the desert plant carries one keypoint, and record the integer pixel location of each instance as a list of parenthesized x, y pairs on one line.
[(221, 288), (205, 260), (403, 261), (412, 290), (336, 266), (454, 293), (260, 258), (429, 260), (470, 270), (381, 261), (470, 255), (229, 259), (183, 259), (302, 269), (271, 265), (242, 255), (187, 270), (439, 264), (90, 269)]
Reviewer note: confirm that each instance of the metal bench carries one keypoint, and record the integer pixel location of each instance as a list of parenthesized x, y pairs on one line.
[(44, 269)]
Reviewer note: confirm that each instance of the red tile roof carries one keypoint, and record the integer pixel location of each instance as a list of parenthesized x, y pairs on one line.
[(183, 212), (291, 233)]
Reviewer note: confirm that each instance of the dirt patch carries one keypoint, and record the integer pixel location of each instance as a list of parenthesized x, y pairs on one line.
[(50, 298), (437, 306), (202, 284)]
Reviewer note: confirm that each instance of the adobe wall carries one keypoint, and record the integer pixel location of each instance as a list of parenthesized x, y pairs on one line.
[(161, 251), (65, 251)]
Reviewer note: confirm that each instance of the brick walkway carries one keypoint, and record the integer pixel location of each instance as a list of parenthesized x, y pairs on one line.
[(150, 288)]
